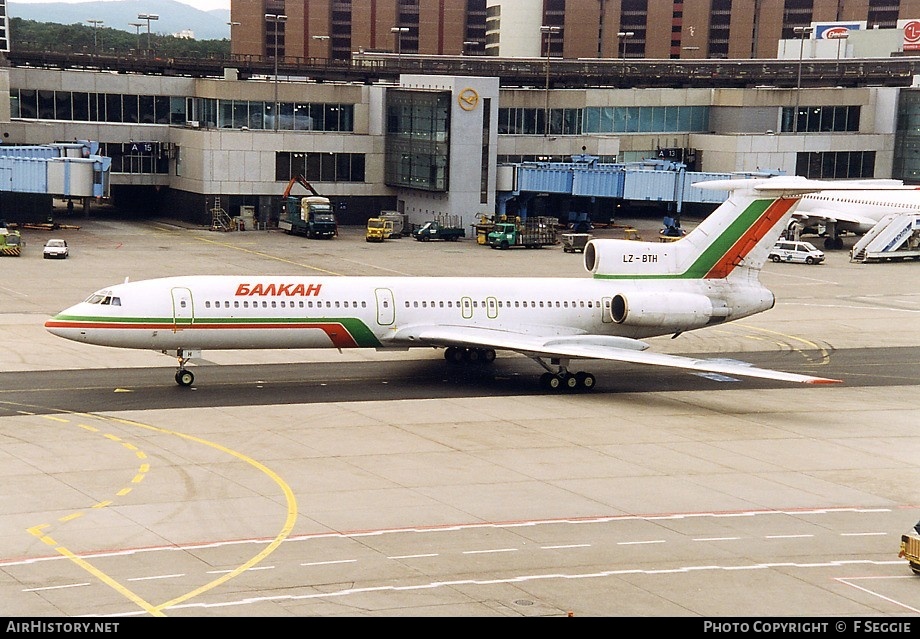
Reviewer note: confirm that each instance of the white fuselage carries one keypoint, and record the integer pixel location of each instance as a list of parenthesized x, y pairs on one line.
[(858, 211), (239, 312)]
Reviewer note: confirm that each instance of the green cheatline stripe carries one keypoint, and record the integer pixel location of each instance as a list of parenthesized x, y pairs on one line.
[(712, 253), (361, 333)]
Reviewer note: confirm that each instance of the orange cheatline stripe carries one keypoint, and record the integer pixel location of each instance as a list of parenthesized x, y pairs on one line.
[(750, 238)]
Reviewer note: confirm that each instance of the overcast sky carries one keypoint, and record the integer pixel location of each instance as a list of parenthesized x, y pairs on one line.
[(204, 5)]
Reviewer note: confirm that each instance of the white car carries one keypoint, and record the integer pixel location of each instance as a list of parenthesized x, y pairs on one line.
[(802, 252), (55, 248)]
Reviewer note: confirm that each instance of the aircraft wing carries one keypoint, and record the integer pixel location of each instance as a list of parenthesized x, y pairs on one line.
[(619, 349)]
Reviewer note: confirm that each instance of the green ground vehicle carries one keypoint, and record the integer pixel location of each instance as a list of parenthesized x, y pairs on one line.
[(533, 232)]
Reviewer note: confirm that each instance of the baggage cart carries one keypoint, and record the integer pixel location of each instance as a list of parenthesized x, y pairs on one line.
[(575, 242)]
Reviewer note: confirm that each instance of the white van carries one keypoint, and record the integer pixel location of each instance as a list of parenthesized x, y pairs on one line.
[(789, 251)]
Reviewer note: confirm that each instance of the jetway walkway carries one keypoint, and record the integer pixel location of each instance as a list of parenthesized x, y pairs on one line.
[(661, 181), (72, 169), (895, 237)]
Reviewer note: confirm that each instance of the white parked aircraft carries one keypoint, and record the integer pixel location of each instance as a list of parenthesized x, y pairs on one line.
[(638, 290), (856, 211)]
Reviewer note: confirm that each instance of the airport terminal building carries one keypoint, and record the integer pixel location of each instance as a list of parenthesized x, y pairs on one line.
[(428, 145)]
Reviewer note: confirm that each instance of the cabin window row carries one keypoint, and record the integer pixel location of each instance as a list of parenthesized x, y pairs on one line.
[(284, 304), (503, 304)]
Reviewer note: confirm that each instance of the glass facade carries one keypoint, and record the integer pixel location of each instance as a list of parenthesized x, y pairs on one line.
[(830, 165), (319, 167), (821, 119), (588, 120), (907, 138), (30, 104), (417, 139), (136, 157)]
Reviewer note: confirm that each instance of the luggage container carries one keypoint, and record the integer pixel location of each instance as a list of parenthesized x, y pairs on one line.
[(575, 242)]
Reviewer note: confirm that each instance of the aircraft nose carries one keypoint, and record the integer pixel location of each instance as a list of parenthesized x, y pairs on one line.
[(60, 326)]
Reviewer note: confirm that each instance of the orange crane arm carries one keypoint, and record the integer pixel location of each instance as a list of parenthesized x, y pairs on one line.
[(298, 179)]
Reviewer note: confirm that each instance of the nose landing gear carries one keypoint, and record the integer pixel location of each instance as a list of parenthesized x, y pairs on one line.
[(185, 377)]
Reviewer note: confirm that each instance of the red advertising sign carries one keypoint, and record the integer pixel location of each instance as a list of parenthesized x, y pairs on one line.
[(912, 35)]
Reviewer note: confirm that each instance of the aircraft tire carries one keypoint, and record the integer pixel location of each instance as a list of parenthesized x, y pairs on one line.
[(570, 382), (453, 354), (488, 355), (586, 381), (185, 377)]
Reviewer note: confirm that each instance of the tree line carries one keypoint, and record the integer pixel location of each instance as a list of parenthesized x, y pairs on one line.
[(30, 35)]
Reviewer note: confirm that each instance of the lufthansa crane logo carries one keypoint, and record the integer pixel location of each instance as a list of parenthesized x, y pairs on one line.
[(468, 99)]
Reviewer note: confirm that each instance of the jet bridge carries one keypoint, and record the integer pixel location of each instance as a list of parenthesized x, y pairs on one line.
[(584, 179), (71, 169), (31, 175), (896, 237)]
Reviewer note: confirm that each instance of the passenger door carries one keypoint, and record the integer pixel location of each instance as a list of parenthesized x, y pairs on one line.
[(183, 311)]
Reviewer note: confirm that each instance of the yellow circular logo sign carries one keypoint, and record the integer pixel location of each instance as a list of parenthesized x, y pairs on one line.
[(468, 99)]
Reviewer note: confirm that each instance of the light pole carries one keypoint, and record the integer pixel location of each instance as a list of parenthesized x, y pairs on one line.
[(275, 18), (802, 31), (137, 28), (95, 24), (398, 32), (148, 17), (547, 33), (842, 39), (322, 39), (624, 36)]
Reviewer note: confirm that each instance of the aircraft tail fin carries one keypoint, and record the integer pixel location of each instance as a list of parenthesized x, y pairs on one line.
[(735, 238)]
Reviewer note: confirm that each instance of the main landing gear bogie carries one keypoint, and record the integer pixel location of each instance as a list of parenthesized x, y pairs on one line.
[(558, 378), (566, 381), (459, 355), (833, 243)]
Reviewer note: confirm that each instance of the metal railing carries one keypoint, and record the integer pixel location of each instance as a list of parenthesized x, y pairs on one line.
[(369, 67)]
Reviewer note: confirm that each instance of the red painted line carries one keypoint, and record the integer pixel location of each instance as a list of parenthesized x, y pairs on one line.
[(337, 333)]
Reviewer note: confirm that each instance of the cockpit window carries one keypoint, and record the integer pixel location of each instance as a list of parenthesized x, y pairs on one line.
[(104, 299)]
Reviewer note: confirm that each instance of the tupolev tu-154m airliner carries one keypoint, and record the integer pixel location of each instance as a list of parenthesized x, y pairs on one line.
[(637, 290)]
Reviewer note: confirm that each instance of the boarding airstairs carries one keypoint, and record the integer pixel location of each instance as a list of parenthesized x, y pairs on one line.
[(895, 237), (220, 219)]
